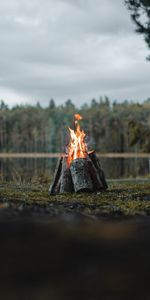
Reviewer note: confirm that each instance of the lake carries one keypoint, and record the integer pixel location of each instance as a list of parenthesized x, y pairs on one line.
[(24, 169)]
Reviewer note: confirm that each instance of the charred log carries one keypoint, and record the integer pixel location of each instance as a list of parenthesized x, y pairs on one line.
[(54, 187), (57, 188), (98, 167), (97, 183), (66, 184)]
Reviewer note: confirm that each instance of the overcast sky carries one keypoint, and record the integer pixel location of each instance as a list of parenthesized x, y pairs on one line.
[(76, 49)]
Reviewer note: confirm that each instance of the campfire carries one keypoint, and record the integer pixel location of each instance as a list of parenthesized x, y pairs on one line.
[(78, 170)]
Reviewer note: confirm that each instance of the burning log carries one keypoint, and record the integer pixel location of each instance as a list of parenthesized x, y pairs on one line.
[(78, 171), (81, 175)]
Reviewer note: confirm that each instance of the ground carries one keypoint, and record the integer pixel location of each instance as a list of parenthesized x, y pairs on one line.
[(126, 199), (79, 246)]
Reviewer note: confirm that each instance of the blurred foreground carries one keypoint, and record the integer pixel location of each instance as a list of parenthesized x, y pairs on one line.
[(74, 247), (74, 258)]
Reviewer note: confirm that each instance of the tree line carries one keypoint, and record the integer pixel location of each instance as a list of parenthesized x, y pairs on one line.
[(110, 127)]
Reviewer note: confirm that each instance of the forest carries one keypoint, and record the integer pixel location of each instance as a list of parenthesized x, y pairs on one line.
[(109, 127)]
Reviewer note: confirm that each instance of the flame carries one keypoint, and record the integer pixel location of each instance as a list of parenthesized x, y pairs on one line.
[(78, 117), (77, 147)]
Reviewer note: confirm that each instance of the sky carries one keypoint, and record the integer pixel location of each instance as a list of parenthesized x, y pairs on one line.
[(70, 49)]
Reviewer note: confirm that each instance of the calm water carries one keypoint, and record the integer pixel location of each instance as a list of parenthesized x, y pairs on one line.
[(26, 168)]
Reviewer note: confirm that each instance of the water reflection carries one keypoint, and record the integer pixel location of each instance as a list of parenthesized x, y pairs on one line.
[(26, 168)]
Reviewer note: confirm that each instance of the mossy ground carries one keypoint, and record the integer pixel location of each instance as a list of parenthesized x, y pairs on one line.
[(128, 199)]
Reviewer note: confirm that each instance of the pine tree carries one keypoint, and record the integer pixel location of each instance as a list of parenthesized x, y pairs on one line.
[(140, 14)]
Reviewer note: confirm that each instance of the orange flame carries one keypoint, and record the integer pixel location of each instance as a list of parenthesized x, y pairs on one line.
[(78, 117), (77, 147)]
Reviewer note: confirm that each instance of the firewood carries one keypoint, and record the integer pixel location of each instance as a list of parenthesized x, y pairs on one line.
[(97, 183), (81, 176), (57, 187), (66, 184), (55, 183), (97, 165)]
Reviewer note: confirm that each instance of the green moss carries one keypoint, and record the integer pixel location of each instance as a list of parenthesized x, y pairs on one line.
[(120, 199)]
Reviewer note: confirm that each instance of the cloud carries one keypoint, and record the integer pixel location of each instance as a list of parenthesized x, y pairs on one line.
[(70, 49)]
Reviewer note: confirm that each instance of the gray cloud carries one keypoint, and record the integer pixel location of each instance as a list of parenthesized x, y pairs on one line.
[(70, 49)]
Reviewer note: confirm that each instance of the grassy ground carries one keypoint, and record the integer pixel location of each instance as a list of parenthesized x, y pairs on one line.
[(126, 199)]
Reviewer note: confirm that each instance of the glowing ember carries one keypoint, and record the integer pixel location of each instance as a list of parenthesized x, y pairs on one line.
[(77, 147)]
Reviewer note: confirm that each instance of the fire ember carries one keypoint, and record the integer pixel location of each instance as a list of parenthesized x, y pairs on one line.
[(78, 170)]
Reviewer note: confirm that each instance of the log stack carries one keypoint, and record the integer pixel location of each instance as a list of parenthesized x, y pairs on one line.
[(83, 175)]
